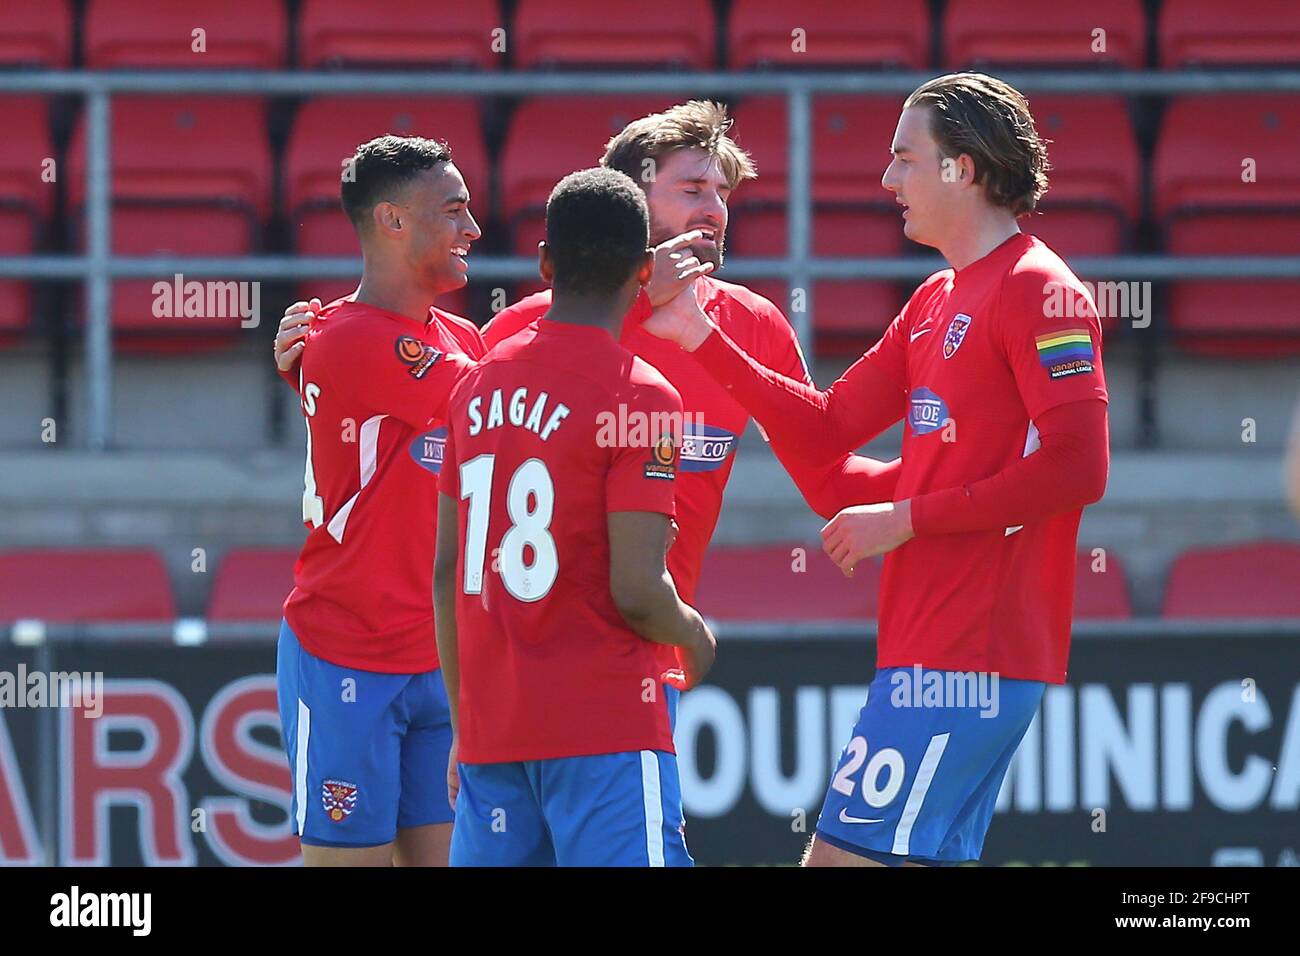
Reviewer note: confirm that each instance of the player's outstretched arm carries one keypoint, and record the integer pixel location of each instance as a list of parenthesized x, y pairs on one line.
[(853, 480), (819, 427), (444, 620), (645, 595)]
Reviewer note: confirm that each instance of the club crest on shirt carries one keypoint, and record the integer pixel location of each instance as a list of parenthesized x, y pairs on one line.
[(339, 798), (956, 334), (419, 355)]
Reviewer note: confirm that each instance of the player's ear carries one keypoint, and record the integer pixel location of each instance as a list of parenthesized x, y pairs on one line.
[(386, 218), (647, 269), (545, 267)]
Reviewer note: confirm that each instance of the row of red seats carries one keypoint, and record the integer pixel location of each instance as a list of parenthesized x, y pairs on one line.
[(210, 190), (1257, 580), (254, 34)]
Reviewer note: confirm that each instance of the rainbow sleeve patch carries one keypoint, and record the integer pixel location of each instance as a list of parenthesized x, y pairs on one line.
[(1067, 352)]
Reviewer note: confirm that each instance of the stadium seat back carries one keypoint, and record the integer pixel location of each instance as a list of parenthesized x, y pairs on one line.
[(328, 130), (170, 150), (1005, 33), (1251, 319), (251, 584), (1228, 152), (398, 33), (784, 582), (1100, 587), (843, 34), (850, 149), (1244, 33), (1258, 579), (37, 33), (596, 33), (236, 34), (85, 585)]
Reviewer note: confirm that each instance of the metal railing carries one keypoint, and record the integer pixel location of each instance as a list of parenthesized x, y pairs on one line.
[(98, 266)]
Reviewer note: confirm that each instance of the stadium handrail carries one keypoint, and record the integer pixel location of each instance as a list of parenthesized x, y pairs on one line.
[(98, 267)]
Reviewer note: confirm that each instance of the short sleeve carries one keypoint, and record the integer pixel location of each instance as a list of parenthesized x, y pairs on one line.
[(393, 372), (449, 471), (642, 474), (1051, 336)]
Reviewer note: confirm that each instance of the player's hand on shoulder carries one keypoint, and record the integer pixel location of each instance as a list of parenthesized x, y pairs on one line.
[(291, 337), (676, 267), (864, 531)]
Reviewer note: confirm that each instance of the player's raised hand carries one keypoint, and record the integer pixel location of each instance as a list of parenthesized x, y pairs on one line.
[(291, 338), (865, 531), (676, 267)]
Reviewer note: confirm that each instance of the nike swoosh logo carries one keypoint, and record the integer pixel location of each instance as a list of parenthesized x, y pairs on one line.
[(917, 335), (845, 818)]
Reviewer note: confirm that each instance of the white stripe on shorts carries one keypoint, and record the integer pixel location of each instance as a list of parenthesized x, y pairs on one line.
[(916, 796), (300, 764), (654, 807)]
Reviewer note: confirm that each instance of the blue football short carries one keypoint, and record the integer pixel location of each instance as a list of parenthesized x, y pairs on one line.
[(619, 809), (919, 779), (367, 751)]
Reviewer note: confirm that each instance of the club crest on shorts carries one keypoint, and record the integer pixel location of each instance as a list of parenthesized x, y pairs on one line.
[(956, 334), (339, 798)]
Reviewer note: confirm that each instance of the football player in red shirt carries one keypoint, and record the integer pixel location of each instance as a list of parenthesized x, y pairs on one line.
[(1004, 400), (550, 585), (362, 704), (696, 166)]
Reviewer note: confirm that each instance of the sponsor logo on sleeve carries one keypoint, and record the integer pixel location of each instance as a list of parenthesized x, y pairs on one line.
[(1065, 353), (956, 334), (927, 413), (427, 449), (663, 459), (420, 356), (339, 799), (705, 447)]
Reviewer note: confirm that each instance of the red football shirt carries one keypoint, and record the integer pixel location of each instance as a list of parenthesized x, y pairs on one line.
[(715, 420), (974, 357), (549, 668), (373, 387)]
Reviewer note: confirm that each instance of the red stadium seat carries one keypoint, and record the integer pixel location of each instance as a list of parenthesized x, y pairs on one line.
[(1259, 579), (238, 34), (777, 583), (252, 584), (1245, 32), (1006, 33), (106, 584), (1093, 201), (853, 215), (206, 192), (329, 129), (1100, 589), (25, 201), (36, 33), (848, 34), (600, 33), (1207, 209), (360, 33)]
